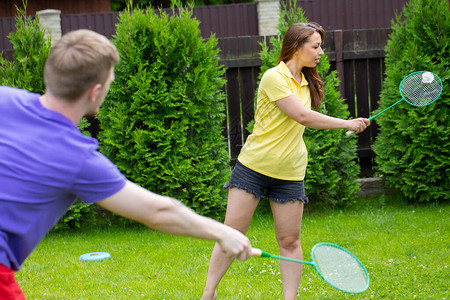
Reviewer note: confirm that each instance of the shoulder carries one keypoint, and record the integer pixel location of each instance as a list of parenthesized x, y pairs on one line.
[(11, 91), (10, 95), (274, 76)]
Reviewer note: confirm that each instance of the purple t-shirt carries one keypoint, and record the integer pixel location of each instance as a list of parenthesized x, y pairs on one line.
[(45, 164)]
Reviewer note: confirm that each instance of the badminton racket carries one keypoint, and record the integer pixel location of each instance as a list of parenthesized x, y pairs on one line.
[(335, 265), (418, 89)]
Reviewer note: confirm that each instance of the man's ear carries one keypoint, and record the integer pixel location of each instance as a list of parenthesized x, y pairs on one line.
[(94, 91)]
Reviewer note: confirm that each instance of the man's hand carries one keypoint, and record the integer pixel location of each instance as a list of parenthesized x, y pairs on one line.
[(235, 244)]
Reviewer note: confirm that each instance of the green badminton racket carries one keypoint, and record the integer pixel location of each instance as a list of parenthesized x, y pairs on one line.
[(418, 89), (337, 266)]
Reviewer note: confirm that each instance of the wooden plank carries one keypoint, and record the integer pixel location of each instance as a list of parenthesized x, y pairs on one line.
[(338, 46), (362, 87), (242, 62), (366, 164), (349, 88), (362, 54), (375, 80), (234, 112), (254, 45), (7, 25), (247, 92), (238, 19), (328, 42), (226, 120), (362, 96)]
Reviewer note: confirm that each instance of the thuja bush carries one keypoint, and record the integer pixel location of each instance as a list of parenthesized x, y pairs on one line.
[(162, 120), (332, 169), (31, 48), (26, 71), (413, 145)]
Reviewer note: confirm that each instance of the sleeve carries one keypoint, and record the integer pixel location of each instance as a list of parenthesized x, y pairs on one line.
[(274, 86), (98, 179)]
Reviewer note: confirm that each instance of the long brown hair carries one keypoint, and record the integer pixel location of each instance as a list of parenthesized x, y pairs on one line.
[(296, 36)]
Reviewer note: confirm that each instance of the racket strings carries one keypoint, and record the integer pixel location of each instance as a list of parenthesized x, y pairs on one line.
[(340, 269), (420, 92)]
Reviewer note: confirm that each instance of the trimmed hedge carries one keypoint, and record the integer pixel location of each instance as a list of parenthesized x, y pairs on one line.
[(413, 145), (162, 120)]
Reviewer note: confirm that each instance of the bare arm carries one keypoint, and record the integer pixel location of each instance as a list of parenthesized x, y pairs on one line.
[(168, 215), (294, 109)]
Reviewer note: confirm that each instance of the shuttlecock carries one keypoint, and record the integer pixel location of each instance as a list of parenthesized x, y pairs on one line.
[(427, 77)]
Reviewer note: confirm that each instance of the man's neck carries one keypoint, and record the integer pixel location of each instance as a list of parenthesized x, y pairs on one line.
[(68, 109)]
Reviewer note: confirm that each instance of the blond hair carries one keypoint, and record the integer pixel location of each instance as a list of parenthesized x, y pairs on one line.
[(78, 61)]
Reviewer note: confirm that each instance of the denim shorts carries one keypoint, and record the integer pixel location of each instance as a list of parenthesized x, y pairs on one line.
[(265, 187)]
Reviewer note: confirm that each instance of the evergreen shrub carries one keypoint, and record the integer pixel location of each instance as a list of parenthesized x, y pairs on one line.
[(162, 120), (332, 169), (31, 49), (413, 145)]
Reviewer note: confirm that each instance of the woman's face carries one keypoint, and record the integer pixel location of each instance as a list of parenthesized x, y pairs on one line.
[(311, 51)]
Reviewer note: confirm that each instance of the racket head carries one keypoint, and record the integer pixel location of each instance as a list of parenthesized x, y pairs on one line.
[(421, 88), (340, 268)]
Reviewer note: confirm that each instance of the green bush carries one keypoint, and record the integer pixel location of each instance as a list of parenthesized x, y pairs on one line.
[(332, 169), (31, 48), (78, 213), (162, 120), (413, 145)]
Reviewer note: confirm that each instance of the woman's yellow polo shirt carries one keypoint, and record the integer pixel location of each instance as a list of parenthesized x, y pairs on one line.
[(276, 147)]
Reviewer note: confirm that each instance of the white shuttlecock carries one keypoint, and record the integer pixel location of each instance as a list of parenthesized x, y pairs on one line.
[(427, 77)]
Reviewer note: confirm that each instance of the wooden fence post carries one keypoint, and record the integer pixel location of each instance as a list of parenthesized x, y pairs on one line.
[(339, 52)]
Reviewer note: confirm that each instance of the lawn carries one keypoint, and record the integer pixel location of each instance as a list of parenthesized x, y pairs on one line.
[(404, 248)]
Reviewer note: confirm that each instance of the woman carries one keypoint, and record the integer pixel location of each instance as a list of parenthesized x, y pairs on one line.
[(272, 163)]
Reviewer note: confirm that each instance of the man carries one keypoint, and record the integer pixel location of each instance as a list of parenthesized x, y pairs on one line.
[(45, 162)]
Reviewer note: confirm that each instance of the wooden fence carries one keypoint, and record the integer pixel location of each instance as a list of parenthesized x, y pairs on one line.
[(352, 14)]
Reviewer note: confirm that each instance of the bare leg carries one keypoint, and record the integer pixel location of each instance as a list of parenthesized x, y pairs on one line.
[(240, 208), (288, 220)]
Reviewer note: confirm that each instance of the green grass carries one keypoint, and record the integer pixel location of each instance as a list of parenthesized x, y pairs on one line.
[(404, 248)]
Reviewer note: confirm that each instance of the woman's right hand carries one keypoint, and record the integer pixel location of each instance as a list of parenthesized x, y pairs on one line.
[(358, 125)]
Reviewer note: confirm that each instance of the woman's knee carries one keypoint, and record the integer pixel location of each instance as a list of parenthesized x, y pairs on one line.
[(289, 242)]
